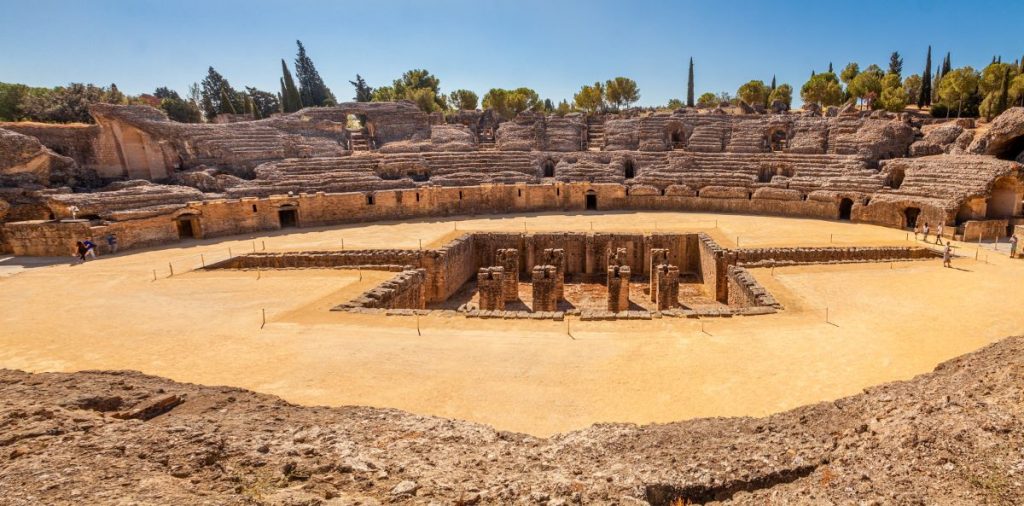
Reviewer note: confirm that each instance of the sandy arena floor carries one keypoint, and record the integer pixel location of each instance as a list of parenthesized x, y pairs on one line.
[(888, 322)]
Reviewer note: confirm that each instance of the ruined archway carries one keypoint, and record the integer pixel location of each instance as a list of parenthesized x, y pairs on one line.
[(845, 209), (1011, 150), (910, 216), (188, 226), (549, 168), (676, 136), (288, 216)]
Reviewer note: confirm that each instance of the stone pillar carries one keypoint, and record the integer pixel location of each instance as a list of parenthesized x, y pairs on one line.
[(555, 257), (617, 257), (509, 260), (659, 257), (545, 288), (667, 280), (618, 288), (489, 286)]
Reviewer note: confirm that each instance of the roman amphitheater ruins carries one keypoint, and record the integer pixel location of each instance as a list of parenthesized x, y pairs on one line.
[(521, 281)]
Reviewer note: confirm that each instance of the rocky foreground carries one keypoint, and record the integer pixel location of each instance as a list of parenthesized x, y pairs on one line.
[(953, 436)]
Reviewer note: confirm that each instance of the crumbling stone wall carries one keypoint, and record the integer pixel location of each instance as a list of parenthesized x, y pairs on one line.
[(618, 288), (713, 263), (490, 286), (745, 291), (508, 260), (665, 286), (771, 257), (546, 288), (404, 291)]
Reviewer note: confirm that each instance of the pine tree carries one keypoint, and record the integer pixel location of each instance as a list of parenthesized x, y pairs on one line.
[(364, 93), (290, 98), (312, 89), (896, 63), (689, 86), (218, 97), (925, 98)]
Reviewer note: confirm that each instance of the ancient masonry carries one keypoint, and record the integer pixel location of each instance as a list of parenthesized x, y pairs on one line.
[(600, 266), (547, 284), (490, 282), (508, 259), (148, 180)]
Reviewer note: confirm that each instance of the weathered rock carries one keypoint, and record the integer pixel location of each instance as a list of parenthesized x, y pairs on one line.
[(1004, 137), (24, 159)]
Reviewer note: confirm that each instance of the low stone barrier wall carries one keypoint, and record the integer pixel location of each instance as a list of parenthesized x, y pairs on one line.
[(776, 257), (745, 291), (405, 291), (365, 259)]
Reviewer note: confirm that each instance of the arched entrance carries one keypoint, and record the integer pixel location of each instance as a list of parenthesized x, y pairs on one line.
[(591, 200), (188, 226), (777, 140), (288, 216), (845, 209), (549, 168), (910, 215), (629, 168), (896, 179)]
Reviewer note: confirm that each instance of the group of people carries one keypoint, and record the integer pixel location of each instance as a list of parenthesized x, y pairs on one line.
[(87, 247), (926, 230)]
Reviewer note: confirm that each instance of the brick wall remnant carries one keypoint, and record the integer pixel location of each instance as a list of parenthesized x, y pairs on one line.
[(490, 283), (618, 288), (546, 284), (508, 258)]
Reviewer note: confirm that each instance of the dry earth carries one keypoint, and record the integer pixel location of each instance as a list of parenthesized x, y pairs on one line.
[(949, 437)]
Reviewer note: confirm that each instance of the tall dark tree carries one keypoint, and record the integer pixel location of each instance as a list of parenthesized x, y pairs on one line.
[(772, 88), (946, 65), (1004, 93), (896, 63), (689, 85), (312, 89), (218, 95), (925, 98), (290, 98), (830, 68), (364, 93), (165, 92)]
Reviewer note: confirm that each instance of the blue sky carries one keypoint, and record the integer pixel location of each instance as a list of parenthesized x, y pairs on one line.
[(552, 46)]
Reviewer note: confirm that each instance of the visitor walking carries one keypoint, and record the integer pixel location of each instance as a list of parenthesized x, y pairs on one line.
[(917, 230), (926, 229), (1013, 246), (112, 242), (938, 234), (947, 256), (80, 250), (90, 248)]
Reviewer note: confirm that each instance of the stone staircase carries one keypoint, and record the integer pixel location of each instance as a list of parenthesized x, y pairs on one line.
[(359, 142), (710, 136), (595, 134)]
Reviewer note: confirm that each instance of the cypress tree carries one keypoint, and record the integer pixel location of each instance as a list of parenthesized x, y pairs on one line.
[(812, 73), (830, 68), (290, 98), (1004, 95), (689, 86), (946, 65), (312, 90), (773, 84), (925, 98)]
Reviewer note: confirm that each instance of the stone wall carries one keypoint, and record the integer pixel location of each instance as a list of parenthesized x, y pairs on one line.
[(546, 283), (618, 288), (713, 261), (745, 291), (404, 291), (490, 285), (772, 257)]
